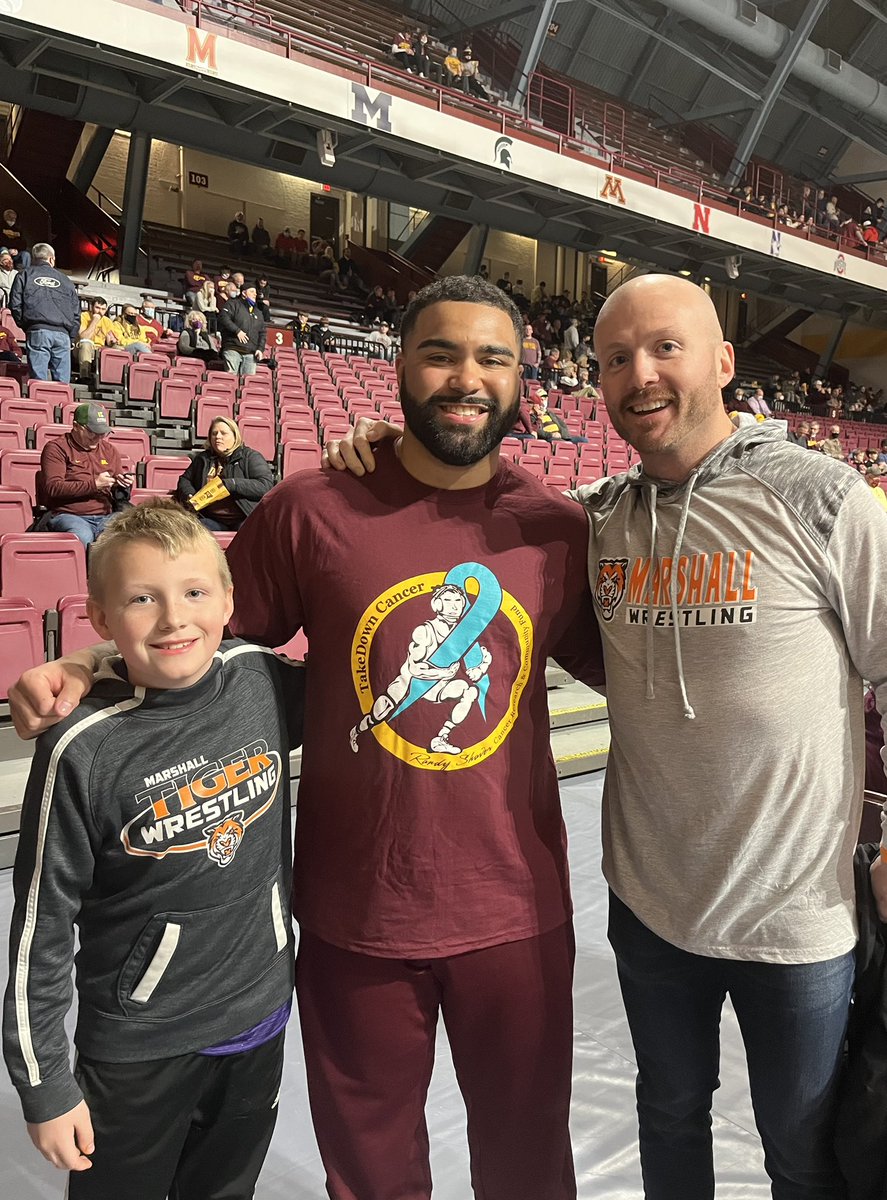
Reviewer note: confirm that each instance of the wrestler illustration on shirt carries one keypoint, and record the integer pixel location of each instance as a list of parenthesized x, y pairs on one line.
[(448, 603)]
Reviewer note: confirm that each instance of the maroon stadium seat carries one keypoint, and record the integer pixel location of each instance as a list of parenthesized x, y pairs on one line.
[(49, 392), (131, 444), (140, 495), (27, 413), (75, 629), (208, 407), (162, 471), (12, 436), (176, 398), (18, 468), (224, 537), (299, 458), (113, 365), (15, 510), (296, 647), (21, 640), (9, 387), (46, 433), (42, 566), (144, 377), (258, 433)]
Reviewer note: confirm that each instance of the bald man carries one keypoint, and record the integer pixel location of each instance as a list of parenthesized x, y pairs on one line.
[(737, 578), (739, 582)]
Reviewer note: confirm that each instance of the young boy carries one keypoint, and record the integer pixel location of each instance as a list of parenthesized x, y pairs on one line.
[(156, 818)]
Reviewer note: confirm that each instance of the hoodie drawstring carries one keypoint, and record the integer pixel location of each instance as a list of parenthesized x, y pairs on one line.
[(676, 554), (651, 694)]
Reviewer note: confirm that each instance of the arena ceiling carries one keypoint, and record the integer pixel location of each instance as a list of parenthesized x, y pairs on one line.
[(671, 59)]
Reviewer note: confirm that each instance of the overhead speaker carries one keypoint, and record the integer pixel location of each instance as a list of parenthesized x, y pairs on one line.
[(733, 265)]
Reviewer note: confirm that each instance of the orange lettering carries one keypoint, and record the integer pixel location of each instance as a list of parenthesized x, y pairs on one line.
[(683, 563), (261, 762), (160, 809), (731, 594), (748, 592), (209, 785), (697, 577), (612, 189), (640, 570), (236, 772), (201, 52), (666, 582), (713, 591)]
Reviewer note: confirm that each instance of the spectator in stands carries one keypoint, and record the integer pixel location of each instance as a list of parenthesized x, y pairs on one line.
[(14, 240), (207, 303), (196, 340), (550, 426), (148, 323), (814, 439), (801, 436), (421, 54), (10, 351), (505, 283), (551, 365), (130, 335), (757, 404), (322, 337), (392, 311), (820, 211), (244, 472), (832, 444), (380, 340), (882, 456), (402, 51), (471, 74), (870, 235), (374, 309), (284, 247), (568, 380), (195, 278), (80, 473), (243, 332), (7, 275), (261, 239), (873, 479), (350, 274), (301, 328), (300, 249), (329, 272), (222, 281), (96, 331), (263, 298), (832, 213), (238, 235), (519, 296), (44, 302), (540, 293), (586, 388), (453, 67), (238, 280), (531, 354), (570, 339)]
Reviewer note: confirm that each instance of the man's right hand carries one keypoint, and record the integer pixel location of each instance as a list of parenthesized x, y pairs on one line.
[(104, 481), (242, 337), (44, 695), (354, 451)]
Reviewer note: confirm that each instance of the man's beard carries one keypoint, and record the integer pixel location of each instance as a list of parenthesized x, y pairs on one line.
[(457, 445)]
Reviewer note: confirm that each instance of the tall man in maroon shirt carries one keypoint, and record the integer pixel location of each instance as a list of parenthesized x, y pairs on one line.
[(431, 879)]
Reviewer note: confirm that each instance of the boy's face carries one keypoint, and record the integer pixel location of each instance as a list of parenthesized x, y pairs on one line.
[(166, 615)]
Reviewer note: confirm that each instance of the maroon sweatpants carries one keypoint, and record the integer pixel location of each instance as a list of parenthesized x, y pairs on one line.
[(368, 1027)]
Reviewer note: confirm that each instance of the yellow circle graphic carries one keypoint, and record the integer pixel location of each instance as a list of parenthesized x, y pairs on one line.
[(361, 650)]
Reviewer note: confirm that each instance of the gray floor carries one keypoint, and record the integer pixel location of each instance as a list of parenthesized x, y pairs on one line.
[(603, 1104)]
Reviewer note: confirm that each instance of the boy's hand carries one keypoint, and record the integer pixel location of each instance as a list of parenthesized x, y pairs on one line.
[(44, 695), (353, 452), (66, 1140), (879, 885)]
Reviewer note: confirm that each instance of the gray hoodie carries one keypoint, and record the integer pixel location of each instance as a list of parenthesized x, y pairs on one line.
[(739, 612)]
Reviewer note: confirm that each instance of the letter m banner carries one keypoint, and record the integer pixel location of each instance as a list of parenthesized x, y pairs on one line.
[(375, 112), (201, 49), (701, 218)]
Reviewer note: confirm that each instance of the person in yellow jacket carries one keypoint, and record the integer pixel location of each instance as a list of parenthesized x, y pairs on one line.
[(129, 333), (873, 479), (453, 66), (96, 330)]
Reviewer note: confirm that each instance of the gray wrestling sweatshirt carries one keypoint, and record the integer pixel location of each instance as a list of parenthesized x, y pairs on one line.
[(739, 612)]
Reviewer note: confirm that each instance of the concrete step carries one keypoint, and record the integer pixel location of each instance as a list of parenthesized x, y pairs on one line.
[(575, 704), (581, 748)]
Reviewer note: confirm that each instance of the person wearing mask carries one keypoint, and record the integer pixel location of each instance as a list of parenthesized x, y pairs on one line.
[(243, 332), (96, 331), (44, 302), (322, 337), (7, 275), (238, 475), (195, 340), (208, 305), (453, 67), (873, 478), (148, 323), (129, 333), (301, 328), (15, 241), (79, 475), (263, 298)]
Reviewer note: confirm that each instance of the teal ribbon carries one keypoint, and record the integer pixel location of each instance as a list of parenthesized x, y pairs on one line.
[(462, 640)]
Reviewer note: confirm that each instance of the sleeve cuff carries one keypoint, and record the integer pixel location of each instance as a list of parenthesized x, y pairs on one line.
[(50, 1099)]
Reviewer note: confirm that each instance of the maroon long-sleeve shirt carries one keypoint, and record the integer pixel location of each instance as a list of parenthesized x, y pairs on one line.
[(66, 481)]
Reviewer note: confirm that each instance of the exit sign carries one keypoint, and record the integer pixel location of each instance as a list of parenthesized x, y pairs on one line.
[(197, 180)]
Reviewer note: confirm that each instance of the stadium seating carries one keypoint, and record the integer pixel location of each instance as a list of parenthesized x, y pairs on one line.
[(162, 471), (15, 510), (42, 566), (21, 640), (18, 468), (75, 629)]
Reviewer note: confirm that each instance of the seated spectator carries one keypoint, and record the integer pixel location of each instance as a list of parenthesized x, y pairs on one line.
[(393, 311), (322, 337), (10, 351), (453, 68), (851, 232), (350, 274), (284, 247), (329, 272), (421, 54), (402, 51), (873, 479), (195, 278), (531, 354), (96, 331), (801, 435), (238, 235), (540, 293), (504, 283), (551, 365), (882, 456), (243, 332), (148, 323), (7, 275), (129, 334), (550, 426), (832, 444), (568, 380), (301, 327), (222, 281), (380, 340), (261, 239), (300, 249), (832, 213), (207, 303), (14, 240), (870, 235), (263, 298), (519, 296), (244, 474), (471, 74), (81, 479), (757, 404), (374, 308), (196, 341), (586, 388)]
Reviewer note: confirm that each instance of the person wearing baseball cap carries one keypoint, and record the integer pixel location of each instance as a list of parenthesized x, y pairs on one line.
[(80, 473)]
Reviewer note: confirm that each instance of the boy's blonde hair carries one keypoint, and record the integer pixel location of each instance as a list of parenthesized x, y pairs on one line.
[(162, 522)]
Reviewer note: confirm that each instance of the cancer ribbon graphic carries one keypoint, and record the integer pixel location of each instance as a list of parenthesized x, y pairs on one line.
[(462, 641)]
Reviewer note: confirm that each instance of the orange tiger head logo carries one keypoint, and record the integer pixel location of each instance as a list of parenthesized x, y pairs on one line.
[(223, 840), (610, 586)]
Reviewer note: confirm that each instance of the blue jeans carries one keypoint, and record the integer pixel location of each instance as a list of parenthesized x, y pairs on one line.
[(240, 364), (793, 1019), (49, 354), (87, 529)]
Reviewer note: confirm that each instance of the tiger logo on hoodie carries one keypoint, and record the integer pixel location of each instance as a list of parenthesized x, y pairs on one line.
[(610, 586)]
